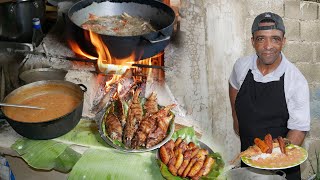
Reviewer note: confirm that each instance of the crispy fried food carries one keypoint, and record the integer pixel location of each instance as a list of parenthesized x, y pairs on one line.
[(113, 126), (268, 141), (205, 169), (261, 144), (194, 161), (147, 125), (170, 144), (180, 148), (186, 160), (208, 163), (194, 152), (166, 153), (120, 113), (177, 142), (164, 156), (172, 169), (163, 118), (151, 105), (196, 167), (134, 117), (179, 160), (192, 145), (282, 145), (188, 168)]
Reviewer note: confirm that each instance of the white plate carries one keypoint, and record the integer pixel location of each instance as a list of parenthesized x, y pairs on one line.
[(248, 161)]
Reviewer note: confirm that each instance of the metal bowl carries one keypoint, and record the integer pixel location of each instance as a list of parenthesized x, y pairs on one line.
[(40, 74), (109, 141)]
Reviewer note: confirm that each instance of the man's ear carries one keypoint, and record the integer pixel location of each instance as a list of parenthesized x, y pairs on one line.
[(284, 41), (252, 41)]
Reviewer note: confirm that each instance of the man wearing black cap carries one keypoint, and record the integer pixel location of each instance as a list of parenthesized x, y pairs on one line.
[(268, 94)]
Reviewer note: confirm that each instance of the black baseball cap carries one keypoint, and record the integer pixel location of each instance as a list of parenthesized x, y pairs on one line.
[(268, 16)]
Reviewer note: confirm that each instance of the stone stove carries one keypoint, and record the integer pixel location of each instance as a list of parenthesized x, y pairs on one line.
[(87, 73)]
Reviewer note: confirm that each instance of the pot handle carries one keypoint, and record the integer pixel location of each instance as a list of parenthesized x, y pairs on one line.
[(83, 87), (280, 173), (157, 40)]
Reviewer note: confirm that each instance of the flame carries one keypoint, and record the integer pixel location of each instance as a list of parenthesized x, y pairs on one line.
[(111, 65), (75, 48)]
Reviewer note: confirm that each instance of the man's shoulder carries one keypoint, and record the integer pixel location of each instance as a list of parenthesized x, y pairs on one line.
[(293, 69), (293, 73)]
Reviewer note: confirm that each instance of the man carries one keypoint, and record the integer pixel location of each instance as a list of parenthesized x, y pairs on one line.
[(268, 94)]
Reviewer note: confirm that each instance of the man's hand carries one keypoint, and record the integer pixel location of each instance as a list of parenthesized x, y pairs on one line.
[(232, 95), (296, 137)]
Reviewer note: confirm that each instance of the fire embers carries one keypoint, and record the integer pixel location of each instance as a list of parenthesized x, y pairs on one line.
[(186, 160), (138, 123)]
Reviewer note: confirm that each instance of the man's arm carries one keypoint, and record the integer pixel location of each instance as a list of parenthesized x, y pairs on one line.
[(232, 96), (296, 137)]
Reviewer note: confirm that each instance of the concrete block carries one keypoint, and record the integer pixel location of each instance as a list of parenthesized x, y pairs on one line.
[(256, 7), (292, 29), (298, 52), (310, 31), (315, 92), (314, 111), (310, 71), (292, 9), (277, 6), (315, 132), (315, 101), (309, 11), (317, 49)]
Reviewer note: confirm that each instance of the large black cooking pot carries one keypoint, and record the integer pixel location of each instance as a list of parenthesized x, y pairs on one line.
[(143, 46), (50, 128), (16, 19)]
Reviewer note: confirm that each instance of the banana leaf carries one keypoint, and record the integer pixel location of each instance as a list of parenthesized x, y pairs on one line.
[(85, 133), (113, 164), (46, 154), (187, 133)]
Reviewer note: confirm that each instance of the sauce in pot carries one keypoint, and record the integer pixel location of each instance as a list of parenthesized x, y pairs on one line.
[(55, 104)]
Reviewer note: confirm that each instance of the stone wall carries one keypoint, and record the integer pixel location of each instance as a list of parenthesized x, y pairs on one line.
[(212, 35)]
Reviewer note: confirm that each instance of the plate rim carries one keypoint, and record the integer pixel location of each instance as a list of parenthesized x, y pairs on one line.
[(246, 159)]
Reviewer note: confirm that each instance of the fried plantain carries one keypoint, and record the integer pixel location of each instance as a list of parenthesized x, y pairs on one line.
[(164, 156)]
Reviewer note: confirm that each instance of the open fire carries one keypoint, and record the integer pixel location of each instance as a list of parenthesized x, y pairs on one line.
[(123, 75)]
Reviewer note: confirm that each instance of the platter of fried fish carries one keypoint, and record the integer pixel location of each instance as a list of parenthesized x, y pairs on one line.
[(138, 124)]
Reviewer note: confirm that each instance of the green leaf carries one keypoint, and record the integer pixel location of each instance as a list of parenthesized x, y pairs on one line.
[(46, 154), (85, 133), (216, 168), (113, 164), (188, 134)]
